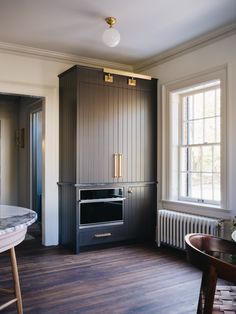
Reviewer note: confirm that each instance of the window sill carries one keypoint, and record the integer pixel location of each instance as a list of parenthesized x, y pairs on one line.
[(197, 209)]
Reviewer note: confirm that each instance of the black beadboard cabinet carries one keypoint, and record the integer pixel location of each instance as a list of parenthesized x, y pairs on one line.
[(99, 119)]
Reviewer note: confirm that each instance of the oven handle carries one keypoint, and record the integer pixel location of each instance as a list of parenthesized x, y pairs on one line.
[(115, 199)]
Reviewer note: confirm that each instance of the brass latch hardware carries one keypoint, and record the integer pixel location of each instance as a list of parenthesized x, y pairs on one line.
[(108, 78), (131, 82), (130, 190)]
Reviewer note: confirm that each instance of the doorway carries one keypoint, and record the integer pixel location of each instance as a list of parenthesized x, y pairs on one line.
[(49, 96), (20, 180)]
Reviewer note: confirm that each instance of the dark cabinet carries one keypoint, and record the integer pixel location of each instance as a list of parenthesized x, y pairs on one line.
[(98, 132), (107, 137), (141, 211)]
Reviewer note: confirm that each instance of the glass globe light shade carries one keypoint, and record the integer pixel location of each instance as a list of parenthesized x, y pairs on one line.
[(111, 37)]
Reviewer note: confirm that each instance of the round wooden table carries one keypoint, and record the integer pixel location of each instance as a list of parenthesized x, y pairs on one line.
[(14, 221), (216, 257)]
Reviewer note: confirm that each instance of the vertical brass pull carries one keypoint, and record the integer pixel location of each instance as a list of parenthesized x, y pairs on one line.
[(115, 156), (120, 173)]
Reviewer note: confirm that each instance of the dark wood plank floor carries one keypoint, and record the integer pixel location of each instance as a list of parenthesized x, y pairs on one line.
[(137, 278)]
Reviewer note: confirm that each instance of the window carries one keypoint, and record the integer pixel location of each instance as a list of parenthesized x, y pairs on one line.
[(200, 143), (194, 141)]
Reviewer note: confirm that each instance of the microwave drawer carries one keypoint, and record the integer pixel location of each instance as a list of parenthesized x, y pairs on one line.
[(101, 235)]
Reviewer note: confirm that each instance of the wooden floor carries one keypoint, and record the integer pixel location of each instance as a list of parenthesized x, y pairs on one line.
[(137, 278)]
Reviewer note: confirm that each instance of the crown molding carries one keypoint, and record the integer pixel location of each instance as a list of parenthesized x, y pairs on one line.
[(60, 57), (168, 55), (187, 47)]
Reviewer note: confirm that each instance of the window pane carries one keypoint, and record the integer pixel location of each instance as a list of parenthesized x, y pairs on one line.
[(195, 159), (210, 130), (216, 158), (218, 102), (207, 162), (183, 159), (207, 186), (191, 132), (190, 112), (195, 185), (218, 129), (198, 106), (217, 193), (183, 184), (185, 133), (184, 109), (196, 132), (210, 103)]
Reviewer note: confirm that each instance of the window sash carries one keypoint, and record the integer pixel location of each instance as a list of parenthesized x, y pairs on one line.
[(201, 145), (189, 172)]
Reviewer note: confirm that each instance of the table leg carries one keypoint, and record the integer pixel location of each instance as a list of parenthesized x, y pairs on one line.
[(207, 291), (16, 281)]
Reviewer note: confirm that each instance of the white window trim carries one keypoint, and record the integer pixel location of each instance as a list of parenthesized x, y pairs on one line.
[(200, 90), (165, 143)]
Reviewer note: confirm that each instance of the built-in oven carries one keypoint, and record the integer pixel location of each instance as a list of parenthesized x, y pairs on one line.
[(101, 207)]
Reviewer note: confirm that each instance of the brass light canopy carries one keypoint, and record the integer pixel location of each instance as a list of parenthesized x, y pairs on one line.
[(110, 20), (111, 36)]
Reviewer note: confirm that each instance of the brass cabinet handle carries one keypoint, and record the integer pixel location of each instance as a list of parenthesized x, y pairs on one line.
[(115, 156), (120, 174), (102, 235)]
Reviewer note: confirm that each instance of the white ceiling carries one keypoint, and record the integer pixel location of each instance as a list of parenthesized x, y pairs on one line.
[(147, 27)]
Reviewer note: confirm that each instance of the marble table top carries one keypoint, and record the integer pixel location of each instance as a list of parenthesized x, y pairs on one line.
[(13, 218)]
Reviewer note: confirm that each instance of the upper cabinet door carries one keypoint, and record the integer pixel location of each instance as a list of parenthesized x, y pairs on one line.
[(97, 133), (116, 130), (137, 134)]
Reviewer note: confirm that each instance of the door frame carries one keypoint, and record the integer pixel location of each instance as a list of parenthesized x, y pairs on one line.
[(35, 109), (50, 151)]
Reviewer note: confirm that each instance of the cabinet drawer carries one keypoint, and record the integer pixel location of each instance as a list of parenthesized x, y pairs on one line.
[(101, 235)]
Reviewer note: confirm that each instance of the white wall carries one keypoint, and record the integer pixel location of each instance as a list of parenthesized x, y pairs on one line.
[(38, 77), (8, 151), (222, 52)]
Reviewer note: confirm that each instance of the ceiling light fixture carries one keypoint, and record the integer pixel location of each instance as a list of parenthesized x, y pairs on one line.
[(111, 36)]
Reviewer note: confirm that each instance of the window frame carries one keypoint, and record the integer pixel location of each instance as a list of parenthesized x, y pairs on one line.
[(200, 145), (168, 194)]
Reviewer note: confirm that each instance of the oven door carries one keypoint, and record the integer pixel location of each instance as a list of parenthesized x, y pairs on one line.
[(101, 212)]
